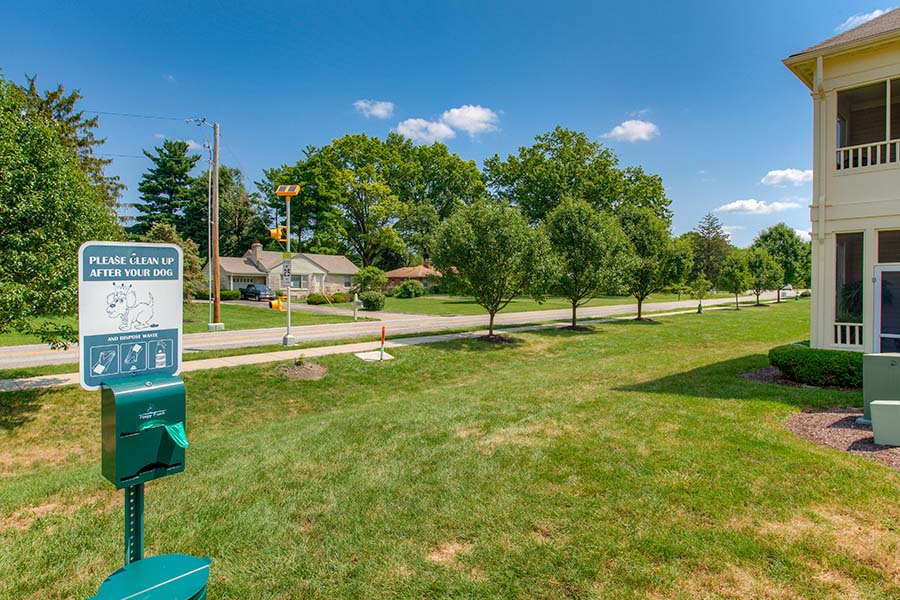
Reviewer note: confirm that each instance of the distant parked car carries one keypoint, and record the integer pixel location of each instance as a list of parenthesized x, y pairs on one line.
[(257, 292)]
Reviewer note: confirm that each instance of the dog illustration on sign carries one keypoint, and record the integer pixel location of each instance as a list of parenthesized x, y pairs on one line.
[(122, 303)]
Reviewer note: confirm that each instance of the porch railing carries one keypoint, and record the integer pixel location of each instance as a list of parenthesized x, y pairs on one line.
[(848, 334), (868, 155)]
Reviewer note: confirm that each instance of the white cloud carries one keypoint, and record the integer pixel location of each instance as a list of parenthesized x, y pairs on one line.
[(422, 130), (639, 113), (169, 77), (159, 136), (473, 119), (804, 234), (379, 109), (783, 177), (633, 130), (859, 19), (193, 145), (753, 206)]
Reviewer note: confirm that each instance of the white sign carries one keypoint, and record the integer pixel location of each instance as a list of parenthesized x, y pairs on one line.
[(129, 310)]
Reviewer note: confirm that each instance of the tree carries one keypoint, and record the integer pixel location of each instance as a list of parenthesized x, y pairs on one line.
[(369, 279), (735, 276), (765, 272), (789, 251), (710, 247), (164, 233), (589, 248), (488, 250), (77, 132), (165, 187), (48, 208), (699, 288), (657, 259), (565, 163), (242, 218)]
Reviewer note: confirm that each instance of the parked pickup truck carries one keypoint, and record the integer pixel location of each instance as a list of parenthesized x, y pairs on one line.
[(256, 291)]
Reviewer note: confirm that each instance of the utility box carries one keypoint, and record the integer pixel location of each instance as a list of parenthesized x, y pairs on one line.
[(881, 379), (142, 423), (886, 422)]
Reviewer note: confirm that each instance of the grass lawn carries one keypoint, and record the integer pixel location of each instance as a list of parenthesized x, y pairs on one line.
[(196, 318), (462, 305), (565, 465)]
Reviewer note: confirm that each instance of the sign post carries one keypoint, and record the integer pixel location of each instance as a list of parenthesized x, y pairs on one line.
[(287, 191)]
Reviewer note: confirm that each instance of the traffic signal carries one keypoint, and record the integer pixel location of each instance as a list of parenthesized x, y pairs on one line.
[(279, 234), (278, 304)]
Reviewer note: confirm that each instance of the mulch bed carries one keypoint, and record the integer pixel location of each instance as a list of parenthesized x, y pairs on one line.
[(773, 375), (838, 429), (308, 371), (497, 339)]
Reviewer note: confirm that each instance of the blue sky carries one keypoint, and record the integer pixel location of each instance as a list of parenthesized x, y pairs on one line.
[(694, 91)]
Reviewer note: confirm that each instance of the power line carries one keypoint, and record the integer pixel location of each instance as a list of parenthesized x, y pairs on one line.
[(136, 116), (120, 155)]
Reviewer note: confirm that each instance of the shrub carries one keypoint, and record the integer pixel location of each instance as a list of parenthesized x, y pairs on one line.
[(230, 294), (818, 367), (411, 288), (369, 279), (339, 297), (805, 294), (316, 299), (372, 300), (390, 291)]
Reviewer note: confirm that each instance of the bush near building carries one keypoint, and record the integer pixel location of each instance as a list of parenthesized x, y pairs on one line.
[(817, 367), (372, 300), (411, 288)]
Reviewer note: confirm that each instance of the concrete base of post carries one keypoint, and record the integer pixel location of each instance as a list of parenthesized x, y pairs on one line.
[(215, 326), (288, 340)]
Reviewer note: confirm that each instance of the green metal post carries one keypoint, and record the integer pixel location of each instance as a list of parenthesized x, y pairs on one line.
[(134, 523)]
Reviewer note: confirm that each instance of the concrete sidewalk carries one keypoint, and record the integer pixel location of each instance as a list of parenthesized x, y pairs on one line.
[(49, 381)]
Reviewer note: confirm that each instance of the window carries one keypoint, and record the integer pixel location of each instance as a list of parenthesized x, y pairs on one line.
[(889, 246), (862, 115), (300, 282), (347, 281), (848, 278)]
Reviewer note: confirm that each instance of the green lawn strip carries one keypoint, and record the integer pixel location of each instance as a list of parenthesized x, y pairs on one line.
[(461, 305), (626, 462), (196, 319)]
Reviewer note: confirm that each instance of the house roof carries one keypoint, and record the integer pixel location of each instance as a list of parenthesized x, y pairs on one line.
[(269, 258), (878, 30), (337, 264), (239, 265), (880, 25), (417, 272)]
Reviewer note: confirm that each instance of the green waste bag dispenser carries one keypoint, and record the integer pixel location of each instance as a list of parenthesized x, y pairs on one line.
[(143, 432)]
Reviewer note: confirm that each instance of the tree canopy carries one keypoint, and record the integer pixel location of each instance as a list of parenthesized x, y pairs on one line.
[(565, 163), (487, 250), (49, 206), (765, 272), (165, 187), (788, 250), (589, 248)]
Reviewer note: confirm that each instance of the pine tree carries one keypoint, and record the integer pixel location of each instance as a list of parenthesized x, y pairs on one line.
[(710, 247), (77, 132), (165, 188)]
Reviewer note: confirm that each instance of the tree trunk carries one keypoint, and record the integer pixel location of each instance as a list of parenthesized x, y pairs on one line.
[(778, 295), (737, 304), (573, 314), (758, 303), (491, 326), (640, 304)]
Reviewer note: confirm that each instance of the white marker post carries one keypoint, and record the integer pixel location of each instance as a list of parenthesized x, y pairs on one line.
[(287, 191), (382, 343)]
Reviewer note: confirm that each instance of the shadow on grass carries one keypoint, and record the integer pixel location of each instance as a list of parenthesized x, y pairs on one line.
[(18, 408), (722, 380)]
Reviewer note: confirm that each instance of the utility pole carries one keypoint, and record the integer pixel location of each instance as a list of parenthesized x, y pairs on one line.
[(214, 218)]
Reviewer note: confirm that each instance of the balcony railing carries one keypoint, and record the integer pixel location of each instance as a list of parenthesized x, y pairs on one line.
[(868, 155), (848, 334)]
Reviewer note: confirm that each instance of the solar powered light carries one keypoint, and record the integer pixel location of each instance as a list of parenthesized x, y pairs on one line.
[(286, 192)]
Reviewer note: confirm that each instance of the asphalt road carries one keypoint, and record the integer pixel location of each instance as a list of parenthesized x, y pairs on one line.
[(31, 355)]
